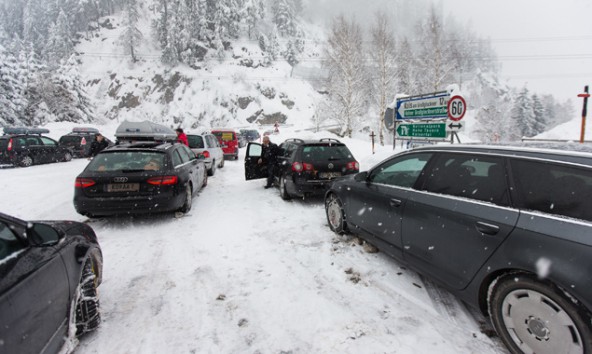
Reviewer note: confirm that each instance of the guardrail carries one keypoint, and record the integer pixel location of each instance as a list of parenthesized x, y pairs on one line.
[(535, 140)]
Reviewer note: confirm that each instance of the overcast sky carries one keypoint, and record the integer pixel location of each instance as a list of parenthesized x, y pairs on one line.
[(546, 44)]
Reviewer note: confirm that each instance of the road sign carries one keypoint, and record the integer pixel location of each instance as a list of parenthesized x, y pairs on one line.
[(455, 127), (456, 108), (422, 130), (431, 106)]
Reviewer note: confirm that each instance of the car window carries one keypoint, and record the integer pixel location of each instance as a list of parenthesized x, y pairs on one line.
[(402, 171), (70, 139), (470, 176), (20, 142), (553, 188), (177, 160), (195, 141), (212, 141), (126, 161), (255, 150), (186, 153), (328, 152), (9, 243), (48, 141), (30, 141), (225, 136)]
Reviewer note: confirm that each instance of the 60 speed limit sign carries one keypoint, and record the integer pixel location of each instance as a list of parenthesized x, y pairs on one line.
[(456, 108)]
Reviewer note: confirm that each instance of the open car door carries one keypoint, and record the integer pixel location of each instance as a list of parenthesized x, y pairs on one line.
[(252, 169)]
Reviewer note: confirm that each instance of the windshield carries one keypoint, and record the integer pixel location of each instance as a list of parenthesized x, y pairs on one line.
[(127, 161), (326, 153)]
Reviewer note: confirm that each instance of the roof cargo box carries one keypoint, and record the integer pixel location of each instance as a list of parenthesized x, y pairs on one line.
[(25, 130), (144, 131), (85, 130)]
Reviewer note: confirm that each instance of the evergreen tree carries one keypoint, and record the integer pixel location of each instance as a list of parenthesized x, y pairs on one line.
[(60, 44), (405, 84), (284, 17), (12, 101), (522, 117), (291, 53), (131, 36), (540, 116), (35, 24)]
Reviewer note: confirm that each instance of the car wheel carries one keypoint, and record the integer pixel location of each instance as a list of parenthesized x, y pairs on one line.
[(188, 199), (533, 316), (335, 214), (88, 316), (205, 181), (26, 161), (67, 156), (283, 191), (212, 169)]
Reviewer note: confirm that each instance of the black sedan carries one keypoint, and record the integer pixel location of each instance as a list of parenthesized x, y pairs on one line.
[(505, 228), (139, 178), (49, 273)]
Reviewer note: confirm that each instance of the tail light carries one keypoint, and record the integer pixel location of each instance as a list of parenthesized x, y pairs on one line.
[(206, 154), (10, 145), (353, 166), (163, 180), (83, 141), (302, 166), (84, 183)]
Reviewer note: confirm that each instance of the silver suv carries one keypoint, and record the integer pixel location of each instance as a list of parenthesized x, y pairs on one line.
[(208, 146)]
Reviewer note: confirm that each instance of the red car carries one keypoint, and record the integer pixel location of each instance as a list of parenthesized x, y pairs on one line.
[(228, 139)]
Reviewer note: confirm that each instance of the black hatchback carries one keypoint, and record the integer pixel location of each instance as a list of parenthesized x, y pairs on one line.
[(305, 167), (26, 146), (508, 229), (142, 177), (80, 139)]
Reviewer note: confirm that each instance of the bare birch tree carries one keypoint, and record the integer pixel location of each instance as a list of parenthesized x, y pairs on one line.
[(384, 56), (346, 83)]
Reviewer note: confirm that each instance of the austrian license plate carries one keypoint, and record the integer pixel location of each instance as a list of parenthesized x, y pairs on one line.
[(123, 187), (329, 175)]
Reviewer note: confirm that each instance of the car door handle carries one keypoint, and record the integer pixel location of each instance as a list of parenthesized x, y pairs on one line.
[(486, 228), (395, 202)]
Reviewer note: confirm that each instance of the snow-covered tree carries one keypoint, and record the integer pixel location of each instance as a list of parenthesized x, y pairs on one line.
[(12, 101), (384, 55), (60, 44), (284, 17), (403, 70), (131, 36), (540, 116), (347, 79), (522, 119)]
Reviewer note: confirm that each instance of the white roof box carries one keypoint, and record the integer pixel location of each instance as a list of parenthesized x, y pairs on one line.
[(145, 130), (25, 130)]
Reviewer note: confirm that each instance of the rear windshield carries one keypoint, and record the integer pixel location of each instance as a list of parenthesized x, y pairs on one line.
[(328, 152), (195, 141), (3, 144), (127, 161), (70, 139), (225, 136)]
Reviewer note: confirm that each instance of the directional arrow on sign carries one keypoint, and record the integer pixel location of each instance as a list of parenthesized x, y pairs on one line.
[(457, 126)]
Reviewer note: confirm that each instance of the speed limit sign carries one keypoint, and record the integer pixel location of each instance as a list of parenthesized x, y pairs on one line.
[(456, 108)]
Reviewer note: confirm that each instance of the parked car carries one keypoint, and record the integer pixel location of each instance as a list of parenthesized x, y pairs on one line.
[(26, 146), (507, 229), (208, 146), (305, 167), (49, 274), (242, 140), (228, 139), (80, 140), (250, 134), (142, 177)]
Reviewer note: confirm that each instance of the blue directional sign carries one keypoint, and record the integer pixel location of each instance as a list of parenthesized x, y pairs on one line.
[(431, 106)]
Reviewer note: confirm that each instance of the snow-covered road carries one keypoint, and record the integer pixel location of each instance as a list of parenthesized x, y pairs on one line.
[(245, 271)]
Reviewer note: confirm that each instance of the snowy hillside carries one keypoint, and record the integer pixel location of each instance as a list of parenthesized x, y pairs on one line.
[(234, 92)]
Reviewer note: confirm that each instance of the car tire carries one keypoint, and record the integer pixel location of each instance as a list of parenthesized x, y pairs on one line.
[(335, 214), (221, 165), (532, 315), (212, 169), (88, 316), (188, 199), (67, 156), (26, 161), (283, 191), (205, 180)]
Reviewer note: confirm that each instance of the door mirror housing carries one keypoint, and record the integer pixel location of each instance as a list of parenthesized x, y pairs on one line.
[(361, 177), (44, 235)]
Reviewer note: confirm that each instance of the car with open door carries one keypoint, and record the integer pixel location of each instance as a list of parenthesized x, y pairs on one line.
[(49, 274), (506, 228), (304, 167)]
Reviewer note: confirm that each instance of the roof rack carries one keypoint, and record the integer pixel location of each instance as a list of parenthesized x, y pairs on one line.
[(330, 139), (144, 131), (25, 130), (296, 140)]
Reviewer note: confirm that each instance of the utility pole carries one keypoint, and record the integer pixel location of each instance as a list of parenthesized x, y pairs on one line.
[(585, 96)]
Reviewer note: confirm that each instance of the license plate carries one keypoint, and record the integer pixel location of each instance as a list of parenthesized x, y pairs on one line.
[(329, 175), (123, 187)]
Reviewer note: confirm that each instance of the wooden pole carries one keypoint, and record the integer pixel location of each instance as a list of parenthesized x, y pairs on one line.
[(372, 136), (585, 96)]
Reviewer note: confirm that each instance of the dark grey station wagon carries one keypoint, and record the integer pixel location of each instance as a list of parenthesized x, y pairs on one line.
[(507, 229)]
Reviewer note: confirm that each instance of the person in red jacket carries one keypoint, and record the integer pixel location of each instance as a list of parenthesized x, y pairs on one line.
[(181, 136)]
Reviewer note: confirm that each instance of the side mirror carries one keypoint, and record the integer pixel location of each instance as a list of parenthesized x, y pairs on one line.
[(200, 156), (44, 235), (361, 177)]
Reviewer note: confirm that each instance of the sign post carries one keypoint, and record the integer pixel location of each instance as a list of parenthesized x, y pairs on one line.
[(585, 96)]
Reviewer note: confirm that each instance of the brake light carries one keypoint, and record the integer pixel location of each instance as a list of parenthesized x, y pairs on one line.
[(83, 142), (206, 154), (10, 145), (163, 180), (302, 166), (354, 165), (84, 182)]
